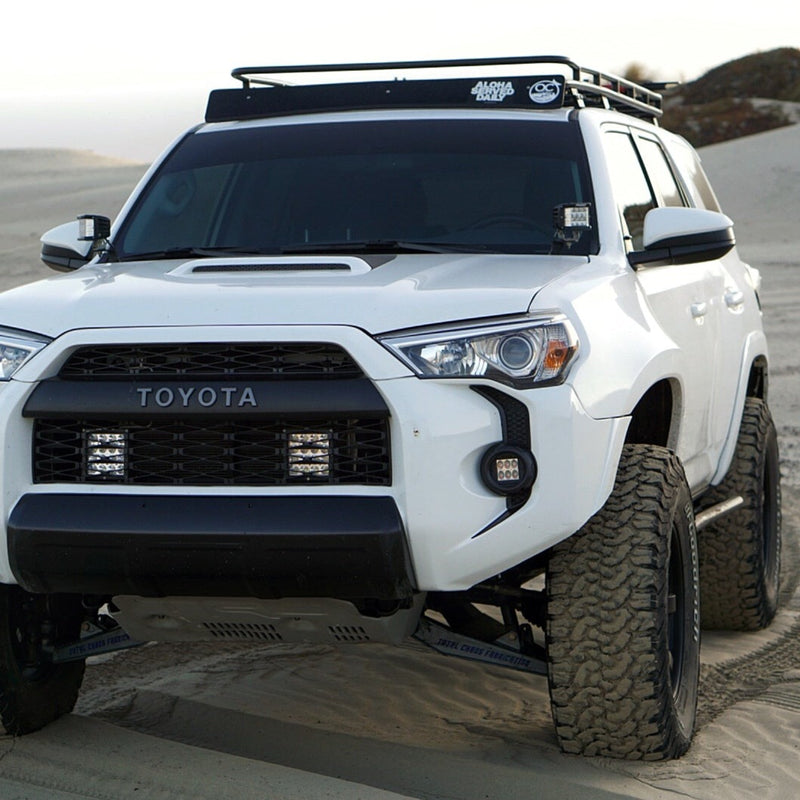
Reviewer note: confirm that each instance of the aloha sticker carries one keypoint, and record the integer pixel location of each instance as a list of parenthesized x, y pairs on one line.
[(545, 91), (492, 91)]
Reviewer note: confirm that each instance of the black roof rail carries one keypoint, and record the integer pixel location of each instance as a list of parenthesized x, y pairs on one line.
[(247, 74), (582, 87)]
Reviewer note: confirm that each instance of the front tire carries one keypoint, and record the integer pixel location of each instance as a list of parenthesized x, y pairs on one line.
[(33, 690), (623, 618)]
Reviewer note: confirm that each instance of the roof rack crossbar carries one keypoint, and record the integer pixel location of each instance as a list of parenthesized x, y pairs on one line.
[(648, 106), (620, 85)]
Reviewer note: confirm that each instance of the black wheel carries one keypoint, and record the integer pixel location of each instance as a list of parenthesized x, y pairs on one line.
[(33, 690), (623, 641), (740, 554)]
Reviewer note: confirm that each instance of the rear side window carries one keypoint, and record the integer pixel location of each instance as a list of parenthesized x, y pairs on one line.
[(697, 184), (660, 172)]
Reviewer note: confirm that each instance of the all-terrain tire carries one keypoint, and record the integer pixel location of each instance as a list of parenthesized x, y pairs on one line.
[(623, 634), (33, 690), (740, 553)]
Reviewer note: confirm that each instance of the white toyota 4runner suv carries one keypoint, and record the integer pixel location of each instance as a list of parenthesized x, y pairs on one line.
[(471, 359)]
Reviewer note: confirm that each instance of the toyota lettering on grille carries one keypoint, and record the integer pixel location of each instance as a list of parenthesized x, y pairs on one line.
[(192, 396)]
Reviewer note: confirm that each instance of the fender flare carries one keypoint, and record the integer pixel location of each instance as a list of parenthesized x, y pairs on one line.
[(755, 347)]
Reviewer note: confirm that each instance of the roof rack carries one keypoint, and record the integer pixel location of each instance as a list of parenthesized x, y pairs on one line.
[(576, 86)]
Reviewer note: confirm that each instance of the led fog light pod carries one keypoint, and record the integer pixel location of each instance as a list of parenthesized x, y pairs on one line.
[(507, 469)]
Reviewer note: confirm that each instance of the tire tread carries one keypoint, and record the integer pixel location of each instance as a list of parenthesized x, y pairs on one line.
[(607, 655), (733, 579)]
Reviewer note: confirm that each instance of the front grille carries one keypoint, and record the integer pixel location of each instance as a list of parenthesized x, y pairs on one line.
[(197, 451), (273, 360)]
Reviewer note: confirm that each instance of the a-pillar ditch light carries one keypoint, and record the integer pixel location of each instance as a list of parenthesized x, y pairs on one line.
[(571, 221), (93, 227)]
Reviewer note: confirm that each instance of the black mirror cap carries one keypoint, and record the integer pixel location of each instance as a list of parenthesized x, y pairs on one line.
[(693, 247), (62, 259)]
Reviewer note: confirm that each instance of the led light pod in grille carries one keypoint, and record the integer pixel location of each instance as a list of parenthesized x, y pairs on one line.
[(309, 455), (106, 455), (196, 451)]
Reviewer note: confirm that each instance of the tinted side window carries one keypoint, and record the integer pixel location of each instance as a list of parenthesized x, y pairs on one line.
[(688, 162), (660, 172), (631, 189)]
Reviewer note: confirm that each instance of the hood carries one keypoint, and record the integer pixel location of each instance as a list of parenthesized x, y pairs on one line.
[(388, 293)]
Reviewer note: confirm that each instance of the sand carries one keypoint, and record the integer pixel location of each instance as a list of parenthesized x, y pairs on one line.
[(167, 721)]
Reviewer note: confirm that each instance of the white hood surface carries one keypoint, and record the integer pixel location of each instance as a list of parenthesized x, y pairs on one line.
[(403, 291)]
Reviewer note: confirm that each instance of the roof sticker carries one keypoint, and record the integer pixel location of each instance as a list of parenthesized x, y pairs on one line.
[(492, 91), (545, 92)]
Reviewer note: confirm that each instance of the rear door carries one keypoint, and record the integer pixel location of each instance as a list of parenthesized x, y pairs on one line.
[(735, 302)]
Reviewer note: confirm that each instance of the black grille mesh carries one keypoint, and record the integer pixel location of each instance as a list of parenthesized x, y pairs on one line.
[(278, 360), (203, 452)]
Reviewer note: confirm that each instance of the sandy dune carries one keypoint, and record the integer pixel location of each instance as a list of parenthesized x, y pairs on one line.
[(40, 189), (168, 721)]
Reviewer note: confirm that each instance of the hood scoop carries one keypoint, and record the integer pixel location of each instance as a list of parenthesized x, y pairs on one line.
[(293, 266)]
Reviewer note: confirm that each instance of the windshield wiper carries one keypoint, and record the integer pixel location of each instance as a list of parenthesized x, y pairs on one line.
[(195, 252), (365, 246), (383, 246)]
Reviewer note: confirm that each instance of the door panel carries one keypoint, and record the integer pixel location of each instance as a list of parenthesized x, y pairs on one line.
[(685, 299)]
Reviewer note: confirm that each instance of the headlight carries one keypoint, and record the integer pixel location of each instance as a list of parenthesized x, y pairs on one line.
[(521, 353), (16, 347)]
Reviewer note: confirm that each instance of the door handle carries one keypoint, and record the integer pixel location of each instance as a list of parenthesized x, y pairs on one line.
[(699, 309), (734, 298)]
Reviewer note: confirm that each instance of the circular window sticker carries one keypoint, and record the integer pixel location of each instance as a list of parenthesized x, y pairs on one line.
[(544, 91)]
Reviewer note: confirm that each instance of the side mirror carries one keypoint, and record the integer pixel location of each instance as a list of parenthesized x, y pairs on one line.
[(73, 244), (682, 236)]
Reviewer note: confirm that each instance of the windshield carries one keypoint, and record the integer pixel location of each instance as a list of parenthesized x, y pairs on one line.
[(472, 185)]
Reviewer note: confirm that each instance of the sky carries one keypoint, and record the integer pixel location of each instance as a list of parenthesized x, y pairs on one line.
[(125, 79)]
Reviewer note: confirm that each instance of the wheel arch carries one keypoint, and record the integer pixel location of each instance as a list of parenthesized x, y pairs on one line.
[(753, 382), (758, 378), (654, 419)]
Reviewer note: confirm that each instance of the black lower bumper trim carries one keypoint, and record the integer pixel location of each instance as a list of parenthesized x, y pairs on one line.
[(297, 546)]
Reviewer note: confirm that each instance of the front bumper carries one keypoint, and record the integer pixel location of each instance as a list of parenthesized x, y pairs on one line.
[(434, 527), (269, 547)]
